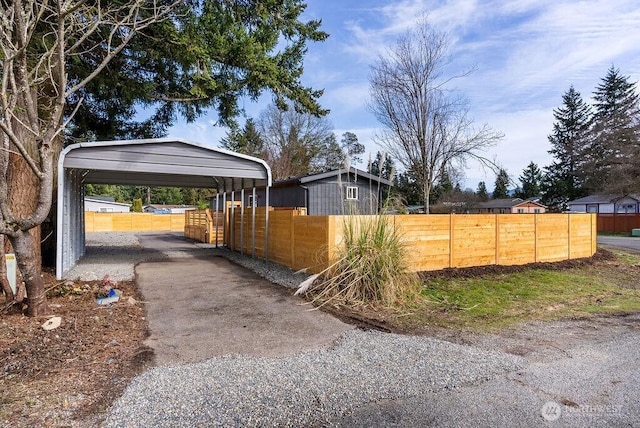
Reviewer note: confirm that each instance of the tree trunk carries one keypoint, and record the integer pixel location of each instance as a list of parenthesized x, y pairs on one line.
[(426, 190), (23, 245), (23, 193)]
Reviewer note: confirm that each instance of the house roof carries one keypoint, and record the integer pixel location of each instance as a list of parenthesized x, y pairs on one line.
[(105, 202), (508, 203), (333, 173), (601, 199), (501, 203), (163, 206), (101, 198)]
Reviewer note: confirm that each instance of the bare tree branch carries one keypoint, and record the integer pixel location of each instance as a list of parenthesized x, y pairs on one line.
[(427, 126)]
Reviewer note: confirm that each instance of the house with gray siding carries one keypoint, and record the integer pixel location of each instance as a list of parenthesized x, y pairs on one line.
[(333, 192), (606, 204)]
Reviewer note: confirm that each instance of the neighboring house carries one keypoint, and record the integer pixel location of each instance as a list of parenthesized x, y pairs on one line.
[(168, 209), (510, 206), (606, 204), (104, 204), (328, 193)]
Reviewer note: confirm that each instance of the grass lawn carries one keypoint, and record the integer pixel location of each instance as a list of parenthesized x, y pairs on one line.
[(495, 300)]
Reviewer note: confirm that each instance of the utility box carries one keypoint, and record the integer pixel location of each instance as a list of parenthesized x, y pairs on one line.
[(10, 261)]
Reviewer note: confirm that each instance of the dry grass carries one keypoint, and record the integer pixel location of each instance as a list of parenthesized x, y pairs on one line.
[(370, 268)]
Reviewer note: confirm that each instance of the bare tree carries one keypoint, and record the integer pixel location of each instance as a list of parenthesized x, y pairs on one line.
[(35, 89), (293, 140), (428, 129)]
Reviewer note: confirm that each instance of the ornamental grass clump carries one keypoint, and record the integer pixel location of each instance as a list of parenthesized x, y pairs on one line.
[(369, 268)]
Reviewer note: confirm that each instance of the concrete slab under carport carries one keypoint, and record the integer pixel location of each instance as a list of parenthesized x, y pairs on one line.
[(205, 306)]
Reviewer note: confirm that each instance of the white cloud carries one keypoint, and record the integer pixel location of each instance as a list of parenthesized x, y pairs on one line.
[(201, 131)]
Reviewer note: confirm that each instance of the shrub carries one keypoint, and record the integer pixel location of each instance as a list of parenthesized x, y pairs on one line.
[(369, 268)]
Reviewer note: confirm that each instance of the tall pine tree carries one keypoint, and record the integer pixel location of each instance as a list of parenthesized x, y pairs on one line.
[(613, 159), (482, 193), (530, 181), (247, 141), (564, 178), (501, 190)]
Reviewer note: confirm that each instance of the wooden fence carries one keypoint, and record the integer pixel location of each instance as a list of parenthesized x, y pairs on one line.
[(618, 223), (434, 242), (204, 226), (132, 222)]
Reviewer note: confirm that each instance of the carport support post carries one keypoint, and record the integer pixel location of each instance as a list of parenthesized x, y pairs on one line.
[(266, 224), (242, 221), (216, 214), (224, 218), (232, 223), (254, 205)]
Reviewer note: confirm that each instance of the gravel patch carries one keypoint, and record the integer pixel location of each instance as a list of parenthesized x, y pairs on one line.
[(110, 253), (304, 389), (117, 253)]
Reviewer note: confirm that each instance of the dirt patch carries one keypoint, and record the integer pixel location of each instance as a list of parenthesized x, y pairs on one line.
[(68, 375)]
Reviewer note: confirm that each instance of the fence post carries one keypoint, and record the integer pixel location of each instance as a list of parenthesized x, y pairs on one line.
[(451, 237), (535, 238), (497, 245), (568, 236), (292, 217)]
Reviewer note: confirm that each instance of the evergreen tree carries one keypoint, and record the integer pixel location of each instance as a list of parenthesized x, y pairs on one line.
[(613, 161), (330, 155), (530, 180), (137, 205), (408, 188), (349, 144), (442, 187), (246, 141), (501, 190), (482, 193), (382, 166), (563, 179)]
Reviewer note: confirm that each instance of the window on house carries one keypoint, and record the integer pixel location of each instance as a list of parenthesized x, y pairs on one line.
[(352, 193), (626, 208), (536, 210), (106, 210), (592, 208), (253, 203), (520, 210)]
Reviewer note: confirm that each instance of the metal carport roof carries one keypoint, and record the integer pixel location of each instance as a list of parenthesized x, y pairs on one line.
[(151, 162)]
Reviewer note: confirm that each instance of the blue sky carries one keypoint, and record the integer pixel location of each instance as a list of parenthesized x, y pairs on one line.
[(526, 54)]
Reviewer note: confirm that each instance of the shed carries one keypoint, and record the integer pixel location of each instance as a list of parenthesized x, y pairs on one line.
[(150, 162), (334, 192)]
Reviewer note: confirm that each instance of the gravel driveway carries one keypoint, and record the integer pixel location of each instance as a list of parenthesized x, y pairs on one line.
[(571, 373)]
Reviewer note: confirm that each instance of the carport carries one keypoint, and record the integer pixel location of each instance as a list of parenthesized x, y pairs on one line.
[(152, 162)]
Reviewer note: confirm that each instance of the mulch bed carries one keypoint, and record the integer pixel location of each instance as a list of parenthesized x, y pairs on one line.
[(600, 256), (69, 375)]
